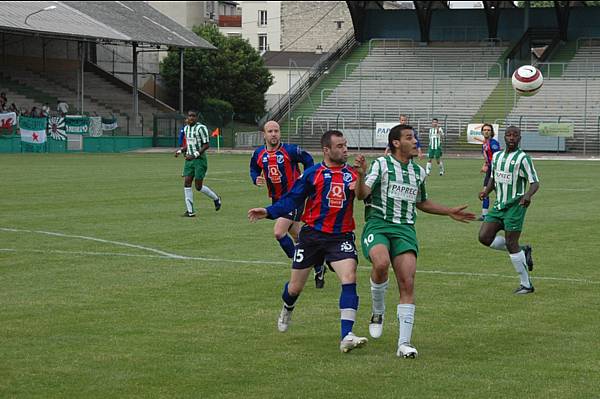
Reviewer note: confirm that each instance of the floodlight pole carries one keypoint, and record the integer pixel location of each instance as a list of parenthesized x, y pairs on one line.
[(135, 85), (181, 80)]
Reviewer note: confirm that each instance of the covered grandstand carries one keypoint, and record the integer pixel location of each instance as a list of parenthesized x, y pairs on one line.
[(48, 53)]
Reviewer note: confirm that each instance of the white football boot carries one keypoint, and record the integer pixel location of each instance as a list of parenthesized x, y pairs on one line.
[(351, 341)]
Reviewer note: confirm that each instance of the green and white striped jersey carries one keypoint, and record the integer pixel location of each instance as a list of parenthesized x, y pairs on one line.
[(511, 172), (195, 136), (395, 190), (435, 138)]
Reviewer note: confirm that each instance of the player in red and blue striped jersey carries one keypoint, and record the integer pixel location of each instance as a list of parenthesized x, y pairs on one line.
[(328, 232), (489, 147), (278, 165)]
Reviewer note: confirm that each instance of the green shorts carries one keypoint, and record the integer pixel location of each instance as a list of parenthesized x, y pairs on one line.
[(196, 167), (398, 238), (434, 154), (511, 218)]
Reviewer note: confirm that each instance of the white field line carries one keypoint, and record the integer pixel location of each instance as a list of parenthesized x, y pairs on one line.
[(166, 255)]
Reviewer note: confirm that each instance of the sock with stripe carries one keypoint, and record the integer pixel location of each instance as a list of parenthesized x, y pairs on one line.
[(518, 261), (378, 296), (209, 193), (189, 199), (499, 243), (406, 318), (287, 245), (289, 300), (348, 308)]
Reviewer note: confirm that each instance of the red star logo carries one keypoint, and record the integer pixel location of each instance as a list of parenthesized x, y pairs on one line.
[(35, 137)]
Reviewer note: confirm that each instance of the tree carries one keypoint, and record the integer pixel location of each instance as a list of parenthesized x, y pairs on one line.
[(234, 72)]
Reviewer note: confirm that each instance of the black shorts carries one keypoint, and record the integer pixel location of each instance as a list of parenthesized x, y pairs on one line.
[(314, 247)]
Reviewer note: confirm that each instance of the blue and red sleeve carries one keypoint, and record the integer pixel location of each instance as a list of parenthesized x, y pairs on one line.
[(255, 169), (294, 198)]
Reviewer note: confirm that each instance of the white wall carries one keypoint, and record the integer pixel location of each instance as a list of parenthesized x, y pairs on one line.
[(280, 86), (250, 28)]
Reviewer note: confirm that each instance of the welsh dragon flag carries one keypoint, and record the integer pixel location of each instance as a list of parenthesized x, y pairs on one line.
[(33, 133)]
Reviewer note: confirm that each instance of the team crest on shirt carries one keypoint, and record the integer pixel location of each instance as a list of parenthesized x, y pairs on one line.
[(280, 158), (274, 174), (336, 195), (347, 177)]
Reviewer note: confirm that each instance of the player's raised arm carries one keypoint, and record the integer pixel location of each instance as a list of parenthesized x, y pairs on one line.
[(457, 213), (361, 189)]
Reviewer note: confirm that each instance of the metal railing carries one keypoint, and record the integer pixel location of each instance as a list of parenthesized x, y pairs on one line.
[(387, 42), (297, 92)]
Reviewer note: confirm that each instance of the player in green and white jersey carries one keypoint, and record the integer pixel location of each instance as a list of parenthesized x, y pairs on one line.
[(395, 186), (196, 164), (436, 133), (512, 169)]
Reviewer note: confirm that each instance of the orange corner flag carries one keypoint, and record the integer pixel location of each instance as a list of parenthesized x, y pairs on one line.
[(215, 133)]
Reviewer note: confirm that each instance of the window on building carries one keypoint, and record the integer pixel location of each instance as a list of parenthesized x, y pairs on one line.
[(339, 24), (262, 43), (262, 17)]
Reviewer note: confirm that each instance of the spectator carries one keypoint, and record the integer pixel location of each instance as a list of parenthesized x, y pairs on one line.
[(62, 107), (3, 101), (45, 110), (35, 112), (13, 108)]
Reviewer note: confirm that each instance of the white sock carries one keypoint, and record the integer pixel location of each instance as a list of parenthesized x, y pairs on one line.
[(209, 193), (406, 318), (518, 261), (484, 212), (189, 199), (499, 243), (428, 167), (441, 167), (378, 296)]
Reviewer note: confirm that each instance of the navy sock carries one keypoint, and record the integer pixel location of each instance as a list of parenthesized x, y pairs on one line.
[(288, 300), (287, 245), (348, 307), (486, 203)]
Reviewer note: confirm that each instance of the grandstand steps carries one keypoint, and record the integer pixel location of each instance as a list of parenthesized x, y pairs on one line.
[(445, 82)]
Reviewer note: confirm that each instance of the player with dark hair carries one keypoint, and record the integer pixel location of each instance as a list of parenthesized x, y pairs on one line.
[(512, 169), (196, 163), (278, 165), (436, 133), (395, 186), (488, 149), (327, 234)]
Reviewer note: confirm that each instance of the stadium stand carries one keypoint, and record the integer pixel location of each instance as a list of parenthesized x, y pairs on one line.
[(398, 77), (567, 99)]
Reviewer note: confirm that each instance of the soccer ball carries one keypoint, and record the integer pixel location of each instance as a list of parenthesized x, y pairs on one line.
[(527, 80)]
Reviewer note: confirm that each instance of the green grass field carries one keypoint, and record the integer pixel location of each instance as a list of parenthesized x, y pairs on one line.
[(94, 302)]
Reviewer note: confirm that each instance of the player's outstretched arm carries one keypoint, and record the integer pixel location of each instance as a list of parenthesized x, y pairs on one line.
[(255, 214), (361, 190), (457, 213)]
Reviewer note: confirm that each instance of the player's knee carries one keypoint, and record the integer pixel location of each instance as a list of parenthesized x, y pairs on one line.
[(512, 244), (294, 289), (198, 186), (485, 239), (279, 234), (380, 272)]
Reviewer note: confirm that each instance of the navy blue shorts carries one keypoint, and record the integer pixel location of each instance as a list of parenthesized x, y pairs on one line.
[(488, 174), (314, 247)]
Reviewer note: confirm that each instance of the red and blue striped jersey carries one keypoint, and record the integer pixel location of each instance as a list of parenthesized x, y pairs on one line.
[(488, 148), (329, 195), (280, 167)]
